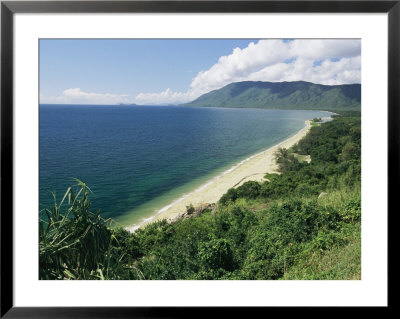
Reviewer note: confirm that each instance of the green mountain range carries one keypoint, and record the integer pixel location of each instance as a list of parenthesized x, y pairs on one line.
[(283, 95)]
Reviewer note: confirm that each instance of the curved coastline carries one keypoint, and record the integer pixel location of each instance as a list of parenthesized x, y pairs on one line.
[(252, 168)]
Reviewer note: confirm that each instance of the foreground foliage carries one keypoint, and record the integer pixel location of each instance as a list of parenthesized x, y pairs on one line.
[(301, 224)]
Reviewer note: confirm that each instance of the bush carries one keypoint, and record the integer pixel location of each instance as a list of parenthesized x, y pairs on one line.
[(215, 254), (229, 196), (249, 189)]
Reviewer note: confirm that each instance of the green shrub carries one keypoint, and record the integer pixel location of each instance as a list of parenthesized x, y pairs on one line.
[(215, 254)]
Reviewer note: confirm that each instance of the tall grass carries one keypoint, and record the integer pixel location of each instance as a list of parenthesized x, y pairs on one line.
[(75, 243)]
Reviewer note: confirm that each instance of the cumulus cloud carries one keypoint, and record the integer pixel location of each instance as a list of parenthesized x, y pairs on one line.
[(318, 61), (343, 71), (77, 96)]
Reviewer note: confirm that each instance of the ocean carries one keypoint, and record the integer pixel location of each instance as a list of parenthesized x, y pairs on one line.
[(138, 159)]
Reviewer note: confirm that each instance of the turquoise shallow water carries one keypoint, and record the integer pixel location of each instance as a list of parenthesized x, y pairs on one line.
[(138, 159)]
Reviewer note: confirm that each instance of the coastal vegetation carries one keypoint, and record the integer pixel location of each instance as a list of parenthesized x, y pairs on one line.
[(297, 95), (301, 223)]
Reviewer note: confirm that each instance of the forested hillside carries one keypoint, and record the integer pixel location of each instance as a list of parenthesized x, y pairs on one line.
[(284, 95)]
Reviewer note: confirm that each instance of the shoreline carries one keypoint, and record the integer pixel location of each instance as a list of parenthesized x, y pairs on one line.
[(252, 168)]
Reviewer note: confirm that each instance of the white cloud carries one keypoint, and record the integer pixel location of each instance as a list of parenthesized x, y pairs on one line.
[(77, 96), (325, 49), (240, 64), (346, 70), (318, 61), (165, 97)]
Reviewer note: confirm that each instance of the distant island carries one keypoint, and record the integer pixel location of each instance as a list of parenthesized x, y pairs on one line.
[(283, 95)]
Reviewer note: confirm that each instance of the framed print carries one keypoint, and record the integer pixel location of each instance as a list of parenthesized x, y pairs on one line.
[(160, 155)]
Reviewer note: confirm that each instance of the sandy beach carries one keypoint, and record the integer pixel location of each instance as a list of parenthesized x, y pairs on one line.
[(252, 169)]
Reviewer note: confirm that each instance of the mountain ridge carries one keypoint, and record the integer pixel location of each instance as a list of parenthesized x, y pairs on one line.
[(283, 95)]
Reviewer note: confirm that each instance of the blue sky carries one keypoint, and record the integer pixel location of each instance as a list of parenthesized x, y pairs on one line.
[(91, 71)]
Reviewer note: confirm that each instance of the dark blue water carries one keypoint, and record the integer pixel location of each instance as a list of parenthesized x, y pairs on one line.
[(132, 155)]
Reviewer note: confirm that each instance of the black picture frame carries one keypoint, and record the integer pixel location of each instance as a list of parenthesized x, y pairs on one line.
[(9, 8)]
